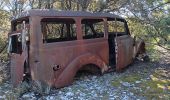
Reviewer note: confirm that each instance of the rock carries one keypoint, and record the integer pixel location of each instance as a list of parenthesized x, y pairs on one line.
[(112, 98), (124, 92), (2, 97), (29, 96), (126, 84), (59, 92), (131, 94), (116, 96), (69, 94), (63, 98), (137, 82), (95, 95), (50, 98), (82, 94), (94, 77), (125, 98), (148, 87)]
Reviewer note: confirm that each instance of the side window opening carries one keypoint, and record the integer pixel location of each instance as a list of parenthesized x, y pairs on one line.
[(116, 27), (58, 29), (92, 28)]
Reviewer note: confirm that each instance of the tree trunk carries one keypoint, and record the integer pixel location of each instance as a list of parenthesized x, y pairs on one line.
[(39, 4)]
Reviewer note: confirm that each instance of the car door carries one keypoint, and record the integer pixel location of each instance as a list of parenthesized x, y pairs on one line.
[(17, 58), (18, 52), (123, 44), (124, 51)]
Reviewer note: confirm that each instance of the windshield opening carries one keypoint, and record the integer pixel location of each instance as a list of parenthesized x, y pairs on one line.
[(15, 44), (19, 37), (18, 24)]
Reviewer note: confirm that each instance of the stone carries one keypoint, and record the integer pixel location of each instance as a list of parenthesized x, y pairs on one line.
[(137, 82), (126, 84), (69, 94), (131, 94), (2, 97), (50, 98), (125, 98)]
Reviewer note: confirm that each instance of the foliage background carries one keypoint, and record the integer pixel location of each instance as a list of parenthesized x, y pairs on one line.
[(148, 19)]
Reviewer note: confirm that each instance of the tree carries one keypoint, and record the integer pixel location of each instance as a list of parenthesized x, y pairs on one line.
[(154, 18)]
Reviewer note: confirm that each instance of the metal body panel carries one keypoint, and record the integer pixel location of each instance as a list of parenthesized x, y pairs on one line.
[(35, 46), (17, 67), (52, 13), (70, 56), (124, 55)]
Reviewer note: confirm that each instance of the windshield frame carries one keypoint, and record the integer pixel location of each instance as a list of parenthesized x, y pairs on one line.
[(14, 43)]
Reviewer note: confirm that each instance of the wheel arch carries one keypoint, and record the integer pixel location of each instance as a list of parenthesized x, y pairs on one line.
[(67, 76)]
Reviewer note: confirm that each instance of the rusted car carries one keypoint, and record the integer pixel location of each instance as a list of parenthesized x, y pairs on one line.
[(52, 46)]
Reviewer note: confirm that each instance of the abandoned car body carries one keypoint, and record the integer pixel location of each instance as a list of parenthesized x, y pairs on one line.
[(52, 46)]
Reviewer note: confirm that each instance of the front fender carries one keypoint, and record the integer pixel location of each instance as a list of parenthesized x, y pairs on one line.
[(67, 76), (139, 48)]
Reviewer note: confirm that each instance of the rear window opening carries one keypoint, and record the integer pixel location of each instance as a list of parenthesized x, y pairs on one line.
[(58, 29)]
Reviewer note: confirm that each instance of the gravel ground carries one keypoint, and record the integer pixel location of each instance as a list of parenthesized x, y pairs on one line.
[(126, 85)]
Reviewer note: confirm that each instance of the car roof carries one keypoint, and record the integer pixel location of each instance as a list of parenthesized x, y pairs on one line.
[(52, 13)]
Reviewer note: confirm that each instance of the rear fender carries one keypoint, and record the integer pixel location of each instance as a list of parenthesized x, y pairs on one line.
[(67, 76)]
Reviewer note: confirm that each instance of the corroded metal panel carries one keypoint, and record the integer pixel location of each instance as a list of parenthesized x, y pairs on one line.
[(52, 13), (124, 52), (70, 56), (17, 67)]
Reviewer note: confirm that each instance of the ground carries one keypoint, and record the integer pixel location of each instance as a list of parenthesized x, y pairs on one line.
[(140, 81)]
